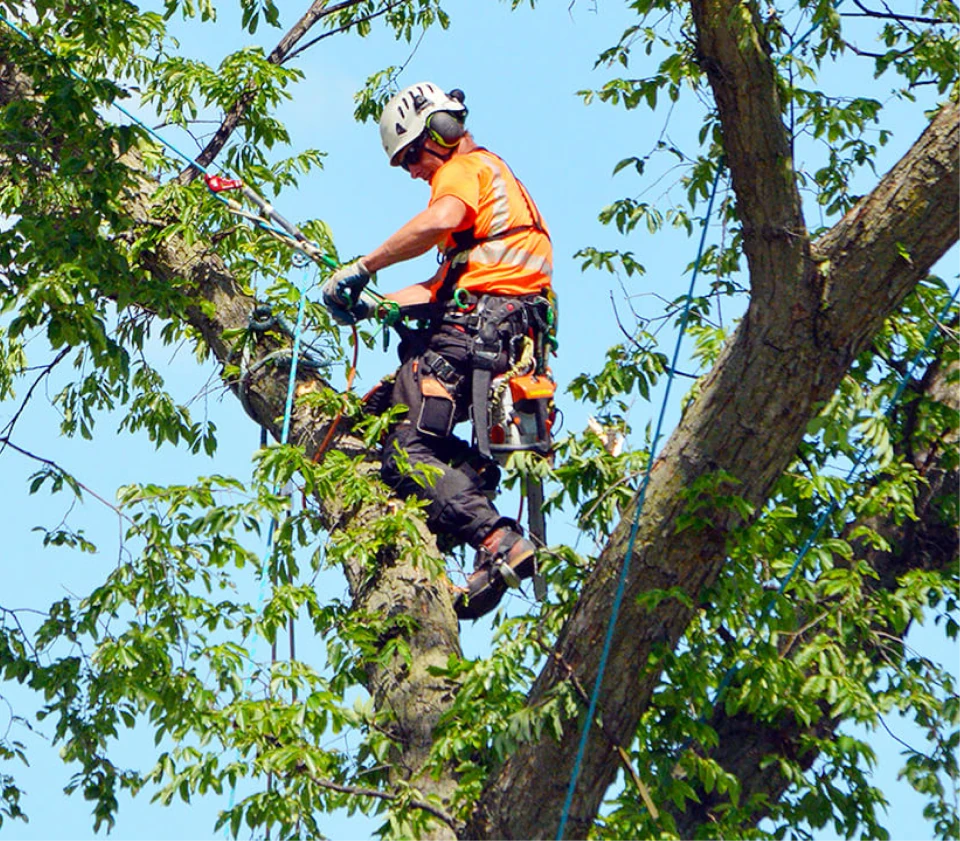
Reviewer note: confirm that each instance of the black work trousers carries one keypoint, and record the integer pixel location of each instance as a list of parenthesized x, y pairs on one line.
[(457, 505)]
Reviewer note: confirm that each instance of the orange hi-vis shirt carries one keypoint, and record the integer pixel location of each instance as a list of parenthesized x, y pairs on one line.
[(518, 263)]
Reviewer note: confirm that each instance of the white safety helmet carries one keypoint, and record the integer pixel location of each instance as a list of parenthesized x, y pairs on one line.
[(420, 108)]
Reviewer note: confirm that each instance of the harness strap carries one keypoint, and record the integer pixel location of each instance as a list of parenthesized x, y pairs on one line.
[(442, 369), (466, 243)]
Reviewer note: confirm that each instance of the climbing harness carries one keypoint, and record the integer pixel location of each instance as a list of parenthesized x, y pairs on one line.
[(513, 411), (512, 389), (511, 386)]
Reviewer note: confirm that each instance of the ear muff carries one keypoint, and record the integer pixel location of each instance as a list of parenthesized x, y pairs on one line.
[(445, 128)]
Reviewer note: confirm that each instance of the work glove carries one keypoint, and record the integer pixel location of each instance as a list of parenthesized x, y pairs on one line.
[(365, 307), (343, 294), (344, 286)]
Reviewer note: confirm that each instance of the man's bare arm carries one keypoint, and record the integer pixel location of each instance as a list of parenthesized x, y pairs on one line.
[(425, 231)]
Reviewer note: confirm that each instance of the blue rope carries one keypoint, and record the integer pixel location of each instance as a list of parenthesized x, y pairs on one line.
[(284, 435), (291, 388), (834, 506), (621, 585)]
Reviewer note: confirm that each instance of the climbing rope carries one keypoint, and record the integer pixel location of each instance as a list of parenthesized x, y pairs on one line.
[(621, 585), (264, 320), (834, 506), (625, 568)]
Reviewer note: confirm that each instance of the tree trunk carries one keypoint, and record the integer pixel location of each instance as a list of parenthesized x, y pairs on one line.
[(813, 308)]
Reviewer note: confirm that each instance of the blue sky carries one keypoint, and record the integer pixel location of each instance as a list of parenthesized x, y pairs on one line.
[(520, 72)]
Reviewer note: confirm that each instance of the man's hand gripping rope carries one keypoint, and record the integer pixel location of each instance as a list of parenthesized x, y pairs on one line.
[(344, 294), (346, 297)]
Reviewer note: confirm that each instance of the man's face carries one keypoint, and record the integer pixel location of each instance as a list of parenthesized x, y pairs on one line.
[(419, 162)]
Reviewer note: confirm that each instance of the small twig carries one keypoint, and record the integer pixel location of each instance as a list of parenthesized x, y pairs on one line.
[(621, 481), (793, 636), (436, 811), (890, 15), (900, 741), (8, 429), (868, 54), (343, 28), (949, 330), (621, 753), (26, 637), (623, 329), (637, 344), (6, 442)]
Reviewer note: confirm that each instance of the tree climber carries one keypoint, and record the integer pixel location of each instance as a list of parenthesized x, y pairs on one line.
[(492, 289)]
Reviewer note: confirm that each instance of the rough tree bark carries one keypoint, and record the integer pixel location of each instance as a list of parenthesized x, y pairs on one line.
[(926, 543), (813, 307)]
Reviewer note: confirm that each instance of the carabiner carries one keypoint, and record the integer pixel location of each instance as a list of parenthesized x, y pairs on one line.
[(461, 298)]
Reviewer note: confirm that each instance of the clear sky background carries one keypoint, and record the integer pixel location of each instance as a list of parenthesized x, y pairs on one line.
[(520, 72)]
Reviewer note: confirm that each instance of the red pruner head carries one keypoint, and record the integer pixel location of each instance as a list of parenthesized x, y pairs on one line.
[(217, 183)]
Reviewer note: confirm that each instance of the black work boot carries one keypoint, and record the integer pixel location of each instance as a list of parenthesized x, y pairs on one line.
[(504, 559)]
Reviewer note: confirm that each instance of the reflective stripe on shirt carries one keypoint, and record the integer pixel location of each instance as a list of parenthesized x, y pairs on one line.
[(502, 252), (500, 220)]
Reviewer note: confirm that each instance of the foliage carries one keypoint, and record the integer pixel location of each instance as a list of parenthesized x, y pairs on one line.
[(167, 641)]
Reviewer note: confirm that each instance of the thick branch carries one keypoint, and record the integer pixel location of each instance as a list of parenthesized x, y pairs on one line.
[(788, 355), (232, 118), (412, 697), (757, 148), (927, 543)]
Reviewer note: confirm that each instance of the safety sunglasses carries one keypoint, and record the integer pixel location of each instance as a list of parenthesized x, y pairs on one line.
[(411, 155)]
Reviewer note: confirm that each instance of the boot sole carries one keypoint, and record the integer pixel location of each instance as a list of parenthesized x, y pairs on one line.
[(482, 601), (488, 595)]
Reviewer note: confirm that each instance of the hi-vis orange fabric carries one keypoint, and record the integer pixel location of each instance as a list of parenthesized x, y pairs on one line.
[(518, 264)]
